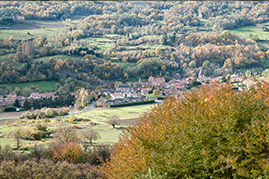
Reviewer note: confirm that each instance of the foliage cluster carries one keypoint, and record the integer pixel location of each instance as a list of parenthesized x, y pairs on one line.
[(214, 132), (45, 113)]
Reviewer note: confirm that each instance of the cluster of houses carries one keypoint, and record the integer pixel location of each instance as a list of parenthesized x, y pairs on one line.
[(135, 91), (11, 98)]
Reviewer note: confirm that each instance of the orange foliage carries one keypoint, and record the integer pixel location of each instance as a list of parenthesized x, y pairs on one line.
[(69, 151)]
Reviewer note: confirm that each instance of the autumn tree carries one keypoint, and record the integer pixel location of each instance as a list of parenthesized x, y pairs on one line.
[(158, 51), (82, 98), (223, 134), (156, 92), (117, 84)]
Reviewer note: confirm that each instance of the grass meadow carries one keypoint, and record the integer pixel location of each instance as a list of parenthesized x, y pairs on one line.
[(103, 115), (42, 85), (244, 31), (46, 59)]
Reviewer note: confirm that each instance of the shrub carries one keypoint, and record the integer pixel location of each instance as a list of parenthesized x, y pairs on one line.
[(69, 151), (47, 169), (10, 109), (71, 119), (132, 104), (37, 135)]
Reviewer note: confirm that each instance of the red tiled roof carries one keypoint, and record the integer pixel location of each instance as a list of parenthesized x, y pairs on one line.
[(46, 94)]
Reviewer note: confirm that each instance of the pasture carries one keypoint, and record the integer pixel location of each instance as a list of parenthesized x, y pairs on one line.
[(244, 31), (42, 85), (46, 59), (103, 115), (98, 117)]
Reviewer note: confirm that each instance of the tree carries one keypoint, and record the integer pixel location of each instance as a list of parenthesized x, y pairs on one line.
[(87, 136), (158, 51), (206, 64), (17, 90), (82, 98), (228, 77), (192, 64), (156, 92), (173, 90), (27, 105), (223, 134), (117, 83), (248, 73), (164, 38), (26, 91), (17, 103), (114, 120), (65, 134)]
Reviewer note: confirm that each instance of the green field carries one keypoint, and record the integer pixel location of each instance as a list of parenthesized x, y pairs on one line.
[(22, 33), (6, 55), (123, 113), (42, 85), (46, 59), (244, 31)]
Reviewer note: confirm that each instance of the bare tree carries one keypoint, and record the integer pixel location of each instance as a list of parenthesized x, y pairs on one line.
[(87, 136), (66, 134), (114, 120)]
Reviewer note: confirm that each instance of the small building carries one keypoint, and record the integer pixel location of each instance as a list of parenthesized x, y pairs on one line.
[(35, 96), (47, 95), (117, 96), (124, 88)]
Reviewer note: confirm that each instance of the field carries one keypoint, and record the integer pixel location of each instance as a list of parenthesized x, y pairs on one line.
[(22, 33), (123, 113), (42, 85), (6, 55), (109, 135), (46, 59), (244, 31)]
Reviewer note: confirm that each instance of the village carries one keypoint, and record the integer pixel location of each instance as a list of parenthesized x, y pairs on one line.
[(137, 91)]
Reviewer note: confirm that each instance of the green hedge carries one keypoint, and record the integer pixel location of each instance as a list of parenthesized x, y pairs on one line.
[(132, 104), (161, 97), (9, 109)]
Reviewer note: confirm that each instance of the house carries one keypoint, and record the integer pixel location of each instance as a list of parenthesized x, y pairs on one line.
[(158, 80), (201, 73), (166, 92), (124, 88), (46, 95), (145, 91), (1, 99), (180, 88), (234, 78), (35, 96), (117, 96), (12, 95), (106, 91)]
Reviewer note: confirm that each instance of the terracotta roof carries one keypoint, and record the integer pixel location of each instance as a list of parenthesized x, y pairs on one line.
[(46, 94), (35, 95)]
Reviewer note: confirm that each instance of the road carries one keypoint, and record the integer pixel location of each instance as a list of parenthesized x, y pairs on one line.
[(88, 108)]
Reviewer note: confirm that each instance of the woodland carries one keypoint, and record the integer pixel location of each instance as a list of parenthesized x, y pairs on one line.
[(127, 41)]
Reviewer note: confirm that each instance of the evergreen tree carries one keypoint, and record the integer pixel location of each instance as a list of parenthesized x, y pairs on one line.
[(164, 38), (17, 103), (27, 105)]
